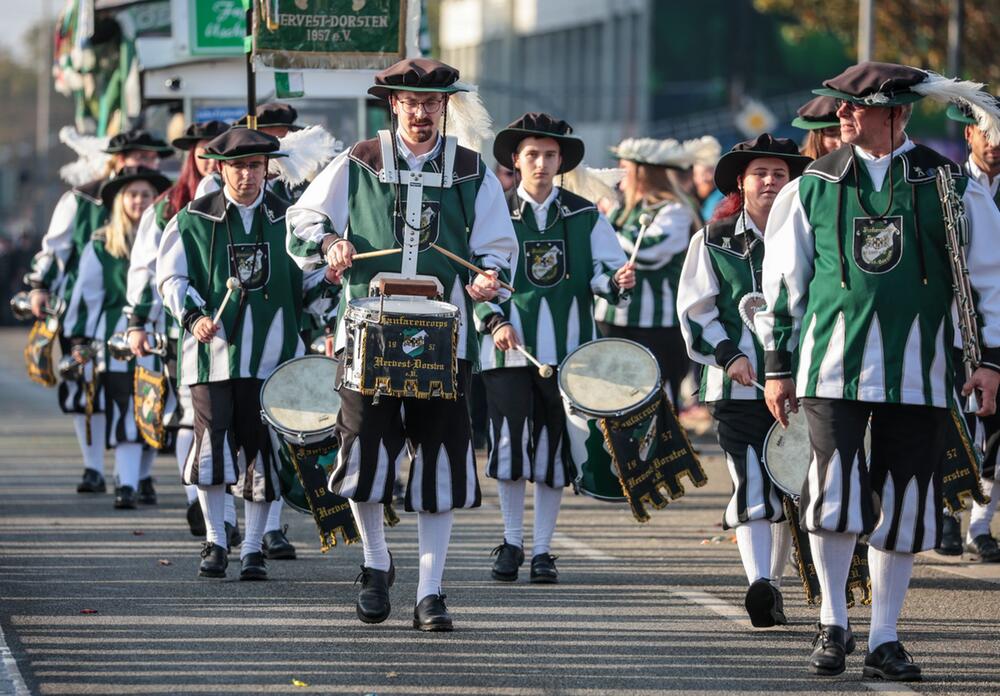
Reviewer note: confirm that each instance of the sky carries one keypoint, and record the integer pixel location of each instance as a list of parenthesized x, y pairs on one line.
[(18, 15)]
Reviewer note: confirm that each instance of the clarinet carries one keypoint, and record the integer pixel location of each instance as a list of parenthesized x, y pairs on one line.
[(956, 240)]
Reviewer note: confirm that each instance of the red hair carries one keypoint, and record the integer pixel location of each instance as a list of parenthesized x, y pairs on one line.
[(182, 192), (728, 206)]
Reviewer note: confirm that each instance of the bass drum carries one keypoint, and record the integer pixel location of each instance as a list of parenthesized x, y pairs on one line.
[(605, 378), (300, 404)]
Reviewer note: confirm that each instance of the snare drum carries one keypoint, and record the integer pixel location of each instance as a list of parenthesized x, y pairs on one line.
[(401, 346), (788, 452), (300, 404), (605, 378)]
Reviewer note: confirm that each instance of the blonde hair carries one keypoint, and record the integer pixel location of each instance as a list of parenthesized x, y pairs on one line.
[(119, 233), (659, 184)]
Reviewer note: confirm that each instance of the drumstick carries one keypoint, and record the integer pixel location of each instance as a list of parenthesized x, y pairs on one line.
[(472, 267), (231, 284), (644, 221), (373, 254), (544, 370)]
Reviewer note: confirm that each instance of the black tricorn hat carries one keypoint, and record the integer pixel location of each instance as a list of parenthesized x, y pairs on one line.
[(125, 176), (138, 140), (239, 142), (538, 125), (732, 164), (818, 112), (196, 132), (875, 84), (275, 114), (417, 75)]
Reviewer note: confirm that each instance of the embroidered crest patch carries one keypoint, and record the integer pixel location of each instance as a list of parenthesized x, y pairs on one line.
[(428, 226), (545, 262), (878, 243), (251, 264)]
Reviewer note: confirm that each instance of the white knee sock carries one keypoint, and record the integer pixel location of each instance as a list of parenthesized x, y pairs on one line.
[(182, 445), (93, 454), (128, 460), (512, 506), (781, 548), (433, 535), (754, 541), (890, 572), (213, 508), (547, 502), (982, 515), (146, 463), (230, 507), (254, 522), (832, 554), (371, 526), (274, 516)]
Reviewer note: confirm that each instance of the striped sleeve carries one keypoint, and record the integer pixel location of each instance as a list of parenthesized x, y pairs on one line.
[(706, 339), (172, 275), (666, 236), (789, 252), (608, 258), (492, 241), (57, 245), (320, 215), (143, 301), (86, 302)]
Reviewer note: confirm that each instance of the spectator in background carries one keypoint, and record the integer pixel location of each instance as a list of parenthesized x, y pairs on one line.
[(704, 189)]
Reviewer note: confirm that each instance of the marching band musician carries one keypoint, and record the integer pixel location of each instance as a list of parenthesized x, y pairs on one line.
[(818, 117), (858, 285), (652, 186), (77, 214), (145, 307), (96, 311), (569, 253), (718, 284), (235, 234), (983, 165), (348, 204)]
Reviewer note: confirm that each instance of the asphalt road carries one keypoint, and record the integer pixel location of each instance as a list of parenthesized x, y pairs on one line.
[(98, 601)]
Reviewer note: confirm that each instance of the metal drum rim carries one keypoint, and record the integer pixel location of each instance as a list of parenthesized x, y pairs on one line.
[(767, 467), (657, 388), (281, 429), (446, 309)]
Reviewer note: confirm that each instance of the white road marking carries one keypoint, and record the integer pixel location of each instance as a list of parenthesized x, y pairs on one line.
[(11, 681)]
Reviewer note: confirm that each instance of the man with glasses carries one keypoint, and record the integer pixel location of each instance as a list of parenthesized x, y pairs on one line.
[(859, 289), (357, 204)]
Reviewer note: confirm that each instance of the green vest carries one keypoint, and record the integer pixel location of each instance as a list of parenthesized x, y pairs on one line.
[(261, 330), (877, 324), (654, 297), (552, 309), (449, 211), (731, 262)]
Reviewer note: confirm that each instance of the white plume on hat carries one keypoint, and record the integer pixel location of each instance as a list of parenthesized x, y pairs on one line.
[(705, 150), (308, 151), (663, 153), (592, 184), (966, 93), (93, 161), (468, 119)]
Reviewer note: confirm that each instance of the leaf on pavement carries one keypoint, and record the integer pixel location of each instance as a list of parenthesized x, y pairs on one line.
[(296, 682)]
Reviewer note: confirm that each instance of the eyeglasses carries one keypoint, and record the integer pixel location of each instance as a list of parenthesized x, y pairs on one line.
[(431, 106)]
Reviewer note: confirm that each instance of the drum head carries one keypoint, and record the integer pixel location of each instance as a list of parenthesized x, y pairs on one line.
[(608, 377), (300, 396), (402, 304), (787, 453)]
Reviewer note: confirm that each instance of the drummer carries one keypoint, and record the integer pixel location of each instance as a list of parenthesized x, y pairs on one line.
[(719, 284), (570, 253), (349, 204), (237, 232)]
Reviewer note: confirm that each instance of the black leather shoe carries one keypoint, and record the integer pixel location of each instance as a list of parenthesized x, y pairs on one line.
[(765, 605), (196, 519), (373, 599), (277, 547), (431, 614), (147, 494), (233, 536), (125, 498), (984, 546), (509, 559), (832, 645), (951, 536), (252, 567), (543, 568), (213, 561), (92, 482), (891, 661)]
